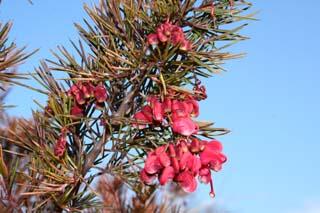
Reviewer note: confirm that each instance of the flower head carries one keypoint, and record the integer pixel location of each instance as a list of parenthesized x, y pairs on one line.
[(100, 93)]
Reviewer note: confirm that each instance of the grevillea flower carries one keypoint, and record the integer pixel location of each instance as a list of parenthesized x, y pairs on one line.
[(74, 90), (153, 164), (147, 178), (187, 181), (157, 111), (167, 104), (177, 36), (183, 162), (168, 32), (153, 39), (184, 126), (193, 107), (143, 117), (76, 111), (147, 111), (212, 156), (201, 92), (80, 99), (167, 174), (164, 31), (176, 113), (87, 89), (60, 146), (185, 45), (100, 93)]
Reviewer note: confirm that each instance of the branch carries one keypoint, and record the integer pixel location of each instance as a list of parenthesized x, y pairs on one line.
[(98, 147)]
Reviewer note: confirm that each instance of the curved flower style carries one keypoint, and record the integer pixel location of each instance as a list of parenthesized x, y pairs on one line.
[(60, 146), (168, 32), (84, 93), (183, 162), (177, 113)]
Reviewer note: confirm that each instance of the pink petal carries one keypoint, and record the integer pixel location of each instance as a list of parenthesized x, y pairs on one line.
[(185, 158), (185, 45), (80, 98), (153, 39), (100, 93), (147, 111), (195, 145), (167, 105), (157, 111), (146, 178), (194, 164), (172, 150), (187, 181), (193, 104), (205, 175), (152, 165), (175, 165), (88, 90), (142, 120), (166, 175), (74, 89), (184, 126), (164, 159), (76, 111), (214, 145), (161, 36)]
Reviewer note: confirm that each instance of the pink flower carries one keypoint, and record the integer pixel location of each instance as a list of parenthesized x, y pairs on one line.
[(205, 175), (146, 178), (185, 45), (163, 156), (212, 156), (196, 146), (180, 110), (190, 162), (170, 32), (201, 92), (142, 120), (164, 31), (167, 174), (193, 107), (153, 39), (74, 90), (147, 111), (167, 105), (177, 35), (184, 126), (80, 99), (87, 89), (157, 111), (100, 93), (60, 146), (187, 181), (177, 162), (143, 117), (76, 111), (152, 164)]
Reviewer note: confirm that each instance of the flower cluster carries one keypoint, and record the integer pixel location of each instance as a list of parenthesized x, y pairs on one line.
[(168, 32), (183, 162), (170, 111), (61, 144), (83, 93)]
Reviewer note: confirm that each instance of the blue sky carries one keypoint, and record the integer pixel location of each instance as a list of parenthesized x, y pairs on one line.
[(269, 99)]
